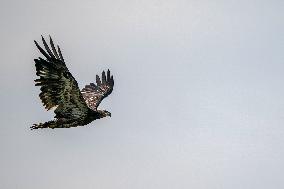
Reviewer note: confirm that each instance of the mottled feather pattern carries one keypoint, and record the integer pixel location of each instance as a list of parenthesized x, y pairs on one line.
[(58, 86), (60, 89), (95, 93)]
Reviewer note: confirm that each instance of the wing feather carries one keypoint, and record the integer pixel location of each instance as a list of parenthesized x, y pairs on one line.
[(98, 80), (58, 87), (95, 93), (47, 48), (103, 77), (42, 51), (60, 54), (53, 47)]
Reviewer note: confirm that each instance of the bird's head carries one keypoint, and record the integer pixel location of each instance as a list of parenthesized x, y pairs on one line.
[(105, 113)]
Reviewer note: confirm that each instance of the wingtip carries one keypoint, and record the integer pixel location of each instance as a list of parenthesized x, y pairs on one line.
[(36, 43), (60, 54), (98, 80), (108, 75), (103, 77), (50, 38), (112, 81)]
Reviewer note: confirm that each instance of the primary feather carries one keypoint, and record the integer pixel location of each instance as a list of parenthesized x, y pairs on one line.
[(95, 93), (60, 89)]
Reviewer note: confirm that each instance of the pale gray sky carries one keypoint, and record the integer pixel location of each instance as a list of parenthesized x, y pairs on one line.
[(198, 99)]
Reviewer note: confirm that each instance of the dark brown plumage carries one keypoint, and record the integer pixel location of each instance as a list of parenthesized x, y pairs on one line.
[(59, 89)]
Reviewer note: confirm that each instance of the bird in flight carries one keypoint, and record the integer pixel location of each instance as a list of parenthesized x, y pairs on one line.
[(60, 90)]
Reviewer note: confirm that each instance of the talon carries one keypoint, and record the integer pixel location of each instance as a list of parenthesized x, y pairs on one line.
[(35, 126)]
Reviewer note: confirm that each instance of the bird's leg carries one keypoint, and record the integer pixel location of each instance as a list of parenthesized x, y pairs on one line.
[(66, 123), (58, 123), (49, 124)]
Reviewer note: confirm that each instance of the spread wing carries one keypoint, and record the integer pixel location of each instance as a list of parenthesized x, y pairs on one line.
[(95, 93), (58, 87)]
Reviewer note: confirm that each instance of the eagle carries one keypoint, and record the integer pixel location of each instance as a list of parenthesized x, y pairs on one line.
[(60, 90)]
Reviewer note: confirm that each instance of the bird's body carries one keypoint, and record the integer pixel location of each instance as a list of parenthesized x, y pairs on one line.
[(59, 89)]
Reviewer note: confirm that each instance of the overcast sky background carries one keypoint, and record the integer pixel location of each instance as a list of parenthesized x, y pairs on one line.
[(198, 99)]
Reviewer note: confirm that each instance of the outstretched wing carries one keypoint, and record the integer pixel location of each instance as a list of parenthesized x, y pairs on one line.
[(95, 93), (58, 87)]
